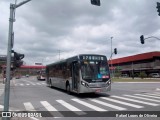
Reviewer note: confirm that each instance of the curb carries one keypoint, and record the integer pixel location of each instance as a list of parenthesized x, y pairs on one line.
[(136, 82)]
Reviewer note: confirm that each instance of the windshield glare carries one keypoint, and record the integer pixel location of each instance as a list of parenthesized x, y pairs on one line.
[(94, 71)]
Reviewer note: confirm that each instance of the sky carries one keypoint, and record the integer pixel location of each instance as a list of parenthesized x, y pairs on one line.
[(49, 30)]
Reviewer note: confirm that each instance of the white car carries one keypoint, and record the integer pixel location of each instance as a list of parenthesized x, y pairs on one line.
[(155, 75)]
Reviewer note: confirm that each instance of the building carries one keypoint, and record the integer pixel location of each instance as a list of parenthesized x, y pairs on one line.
[(29, 69), (23, 70), (133, 65)]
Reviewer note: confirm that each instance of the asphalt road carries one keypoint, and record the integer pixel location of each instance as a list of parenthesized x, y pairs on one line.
[(29, 94)]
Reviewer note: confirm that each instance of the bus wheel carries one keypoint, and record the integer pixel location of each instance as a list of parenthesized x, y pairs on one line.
[(68, 89)]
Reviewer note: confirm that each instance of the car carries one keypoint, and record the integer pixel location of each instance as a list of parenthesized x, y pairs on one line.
[(18, 77), (27, 75), (155, 75), (124, 75)]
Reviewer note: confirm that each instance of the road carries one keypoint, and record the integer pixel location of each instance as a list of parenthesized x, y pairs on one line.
[(29, 94)]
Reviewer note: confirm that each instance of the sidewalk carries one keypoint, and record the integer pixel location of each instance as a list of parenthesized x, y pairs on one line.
[(1, 92)]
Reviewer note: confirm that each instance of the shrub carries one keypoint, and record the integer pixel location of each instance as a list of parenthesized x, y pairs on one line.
[(142, 75)]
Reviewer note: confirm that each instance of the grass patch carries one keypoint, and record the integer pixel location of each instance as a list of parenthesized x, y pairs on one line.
[(135, 80)]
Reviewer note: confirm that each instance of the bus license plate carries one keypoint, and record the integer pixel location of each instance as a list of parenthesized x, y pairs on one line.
[(98, 90)]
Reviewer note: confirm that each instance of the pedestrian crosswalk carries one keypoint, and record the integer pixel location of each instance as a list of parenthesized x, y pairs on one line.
[(133, 100), (30, 84), (79, 106)]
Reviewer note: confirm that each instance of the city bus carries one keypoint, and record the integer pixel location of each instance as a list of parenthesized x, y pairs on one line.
[(84, 73)]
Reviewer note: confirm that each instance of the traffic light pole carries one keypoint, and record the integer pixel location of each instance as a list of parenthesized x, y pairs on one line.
[(152, 37), (8, 68), (142, 38), (9, 51)]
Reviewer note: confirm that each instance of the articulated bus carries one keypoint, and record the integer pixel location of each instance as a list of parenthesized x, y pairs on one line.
[(84, 73)]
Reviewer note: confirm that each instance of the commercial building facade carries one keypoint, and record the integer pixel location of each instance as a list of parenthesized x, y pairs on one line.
[(132, 66)]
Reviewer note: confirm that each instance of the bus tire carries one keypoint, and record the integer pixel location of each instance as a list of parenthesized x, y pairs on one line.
[(68, 89)]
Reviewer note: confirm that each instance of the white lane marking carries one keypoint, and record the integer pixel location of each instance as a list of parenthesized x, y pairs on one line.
[(34, 118), (108, 105), (43, 83), (49, 107), (121, 102), (1, 106), (152, 94), (27, 84), (89, 105), (143, 98), (29, 106), (71, 107), (157, 93), (133, 100), (157, 88), (38, 84), (67, 105), (147, 96), (21, 84)]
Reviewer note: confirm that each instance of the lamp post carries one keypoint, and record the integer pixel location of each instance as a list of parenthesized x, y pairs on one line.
[(9, 52), (111, 58)]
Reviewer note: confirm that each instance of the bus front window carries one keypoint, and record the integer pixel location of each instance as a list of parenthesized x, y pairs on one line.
[(95, 71)]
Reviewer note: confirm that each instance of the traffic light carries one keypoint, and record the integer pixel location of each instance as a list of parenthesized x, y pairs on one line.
[(158, 8), (142, 39), (95, 2), (115, 50), (17, 59)]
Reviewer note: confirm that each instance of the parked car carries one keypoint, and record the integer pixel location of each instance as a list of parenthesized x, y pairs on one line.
[(124, 75), (27, 75), (18, 77), (155, 75)]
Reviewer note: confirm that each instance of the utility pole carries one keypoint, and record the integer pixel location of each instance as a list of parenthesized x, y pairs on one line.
[(9, 52)]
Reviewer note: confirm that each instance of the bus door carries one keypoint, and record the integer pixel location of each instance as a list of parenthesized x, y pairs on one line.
[(75, 75)]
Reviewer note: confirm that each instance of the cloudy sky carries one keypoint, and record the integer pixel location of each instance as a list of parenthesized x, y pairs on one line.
[(45, 28)]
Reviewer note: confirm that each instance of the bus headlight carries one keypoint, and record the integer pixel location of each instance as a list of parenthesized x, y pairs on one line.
[(84, 84), (109, 82)]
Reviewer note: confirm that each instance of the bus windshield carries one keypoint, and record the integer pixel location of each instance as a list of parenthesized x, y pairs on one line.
[(95, 71)]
